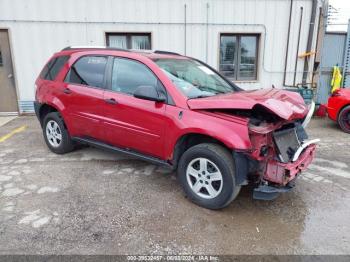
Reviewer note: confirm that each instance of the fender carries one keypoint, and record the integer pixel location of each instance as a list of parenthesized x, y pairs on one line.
[(232, 141), (335, 105), (52, 101), (49, 98), (233, 134), (57, 104)]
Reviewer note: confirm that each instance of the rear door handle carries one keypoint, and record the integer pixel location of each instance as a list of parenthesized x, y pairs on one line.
[(67, 91), (111, 101)]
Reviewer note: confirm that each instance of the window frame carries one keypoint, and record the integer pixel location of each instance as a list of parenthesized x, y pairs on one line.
[(104, 85), (1, 59), (160, 86), (48, 67), (237, 57), (128, 37)]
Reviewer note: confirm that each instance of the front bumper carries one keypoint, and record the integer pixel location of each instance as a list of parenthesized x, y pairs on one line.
[(282, 173)]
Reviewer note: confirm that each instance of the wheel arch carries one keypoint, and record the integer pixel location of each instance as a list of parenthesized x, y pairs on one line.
[(343, 124), (189, 140), (47, 108), (341, 109), (44, 110)]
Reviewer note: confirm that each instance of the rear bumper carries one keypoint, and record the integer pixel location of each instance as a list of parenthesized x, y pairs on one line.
[(37, 106), (332, 108), (332, 113), (282, 173)]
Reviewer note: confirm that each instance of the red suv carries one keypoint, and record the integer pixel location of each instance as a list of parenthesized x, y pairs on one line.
[(175, 111)]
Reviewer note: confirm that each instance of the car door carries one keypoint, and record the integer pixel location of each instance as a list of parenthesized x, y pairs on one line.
[(83, 89), (131, 122), (8, 96)]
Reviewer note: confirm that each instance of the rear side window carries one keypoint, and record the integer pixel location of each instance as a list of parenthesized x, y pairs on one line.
[(53, 67), (88, 70)]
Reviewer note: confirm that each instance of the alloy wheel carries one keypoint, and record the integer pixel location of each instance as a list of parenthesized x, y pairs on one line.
[(53, 133), (204, 178)]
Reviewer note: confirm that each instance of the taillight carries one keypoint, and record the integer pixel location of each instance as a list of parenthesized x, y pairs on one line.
[(336, 93), (36, 91)]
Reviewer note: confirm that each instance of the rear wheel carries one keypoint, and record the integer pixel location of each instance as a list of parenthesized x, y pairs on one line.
[(206, 173), (56, 135), (344, 119)]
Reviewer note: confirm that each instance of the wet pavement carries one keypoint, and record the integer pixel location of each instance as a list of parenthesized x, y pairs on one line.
[(93, 202)]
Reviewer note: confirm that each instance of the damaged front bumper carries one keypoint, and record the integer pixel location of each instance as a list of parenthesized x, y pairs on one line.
[(280, 150), (280, 177), (279, 155), (282, 173)]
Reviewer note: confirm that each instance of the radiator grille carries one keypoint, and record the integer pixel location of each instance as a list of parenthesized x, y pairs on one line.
[(287, 143)]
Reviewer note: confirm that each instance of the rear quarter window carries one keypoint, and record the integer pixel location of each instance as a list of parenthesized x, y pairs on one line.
[(53, 67)]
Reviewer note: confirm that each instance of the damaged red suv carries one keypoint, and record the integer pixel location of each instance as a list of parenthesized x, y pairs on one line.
[(176, 111)]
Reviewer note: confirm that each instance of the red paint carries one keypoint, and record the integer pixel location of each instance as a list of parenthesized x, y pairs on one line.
[(321, 111), (154, 128), (282, 173), (337, 102), (135, 123), (285, 104)]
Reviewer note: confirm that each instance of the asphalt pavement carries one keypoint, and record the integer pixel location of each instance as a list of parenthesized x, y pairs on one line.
[(93, 202)]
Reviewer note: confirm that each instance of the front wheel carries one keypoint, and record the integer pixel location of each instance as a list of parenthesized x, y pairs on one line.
[(344, 119), (206, 173)]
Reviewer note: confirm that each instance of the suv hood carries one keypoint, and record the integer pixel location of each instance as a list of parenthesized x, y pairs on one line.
[(285, 104)]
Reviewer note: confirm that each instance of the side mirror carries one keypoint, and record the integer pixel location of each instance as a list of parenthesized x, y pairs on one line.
[(148, 93)]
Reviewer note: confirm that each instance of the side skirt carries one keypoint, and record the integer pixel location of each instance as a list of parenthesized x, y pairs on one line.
[(129, 152)]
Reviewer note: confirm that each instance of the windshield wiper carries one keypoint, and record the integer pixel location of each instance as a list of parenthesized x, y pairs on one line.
[(211, 89), (199, 96)]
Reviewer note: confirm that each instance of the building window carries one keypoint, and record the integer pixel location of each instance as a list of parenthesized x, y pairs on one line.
[(129, 40), (239, 56)]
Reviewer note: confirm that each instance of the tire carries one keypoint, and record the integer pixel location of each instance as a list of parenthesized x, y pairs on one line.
[(344, 119), (59, 141), (200, 187)]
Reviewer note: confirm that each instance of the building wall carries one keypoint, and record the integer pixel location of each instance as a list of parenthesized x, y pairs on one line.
[(38, 28), (332, 53)]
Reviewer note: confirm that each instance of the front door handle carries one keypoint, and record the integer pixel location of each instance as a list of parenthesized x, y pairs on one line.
[(111, 101), (67, 91)]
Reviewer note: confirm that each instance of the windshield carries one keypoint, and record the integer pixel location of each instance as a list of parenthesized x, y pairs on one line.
[(194, 79)]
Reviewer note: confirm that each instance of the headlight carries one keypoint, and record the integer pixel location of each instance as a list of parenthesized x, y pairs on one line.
[(309, 114)]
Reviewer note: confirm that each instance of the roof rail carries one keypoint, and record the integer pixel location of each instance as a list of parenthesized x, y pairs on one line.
[(165, 52), (94, 47)]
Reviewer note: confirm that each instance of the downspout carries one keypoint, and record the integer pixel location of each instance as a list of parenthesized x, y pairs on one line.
[(297, 52), (309, 39), (317, 36), (185, 27), (287, 50), (319, 99), (207, 35), (346, 61)]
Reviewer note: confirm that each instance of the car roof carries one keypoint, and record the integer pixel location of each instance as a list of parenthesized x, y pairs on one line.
[(151, 54)]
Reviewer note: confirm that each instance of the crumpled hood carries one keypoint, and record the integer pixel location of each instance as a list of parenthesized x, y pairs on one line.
[(285, 104)]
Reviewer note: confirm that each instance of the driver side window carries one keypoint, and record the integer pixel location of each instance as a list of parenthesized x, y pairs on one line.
[(128, 74)]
